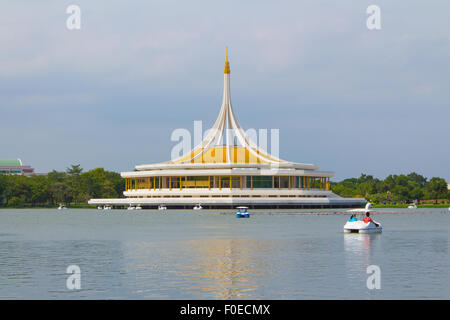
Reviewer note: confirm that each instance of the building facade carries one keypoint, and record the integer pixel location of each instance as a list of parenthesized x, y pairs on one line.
[(228, 169), (15, 166)]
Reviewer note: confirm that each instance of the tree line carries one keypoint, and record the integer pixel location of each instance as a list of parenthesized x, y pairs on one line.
[(395, 188), (72, 186), (75, 187)]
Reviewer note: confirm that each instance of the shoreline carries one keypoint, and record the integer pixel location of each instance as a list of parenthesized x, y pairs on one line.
[(374, 206), (308, 211)]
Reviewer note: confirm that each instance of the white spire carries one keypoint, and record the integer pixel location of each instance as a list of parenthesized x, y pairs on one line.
[(227, 122)]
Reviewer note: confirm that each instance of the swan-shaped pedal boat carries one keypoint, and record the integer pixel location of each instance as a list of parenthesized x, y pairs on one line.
[(353, 225), (359, 226)]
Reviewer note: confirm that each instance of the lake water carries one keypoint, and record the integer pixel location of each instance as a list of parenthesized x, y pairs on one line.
[(212, 255)]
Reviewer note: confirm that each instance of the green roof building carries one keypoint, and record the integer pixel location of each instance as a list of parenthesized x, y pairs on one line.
[(10, 162), (15, 166)]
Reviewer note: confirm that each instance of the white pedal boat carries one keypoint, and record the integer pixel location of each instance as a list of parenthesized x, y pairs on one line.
[(362, 227)]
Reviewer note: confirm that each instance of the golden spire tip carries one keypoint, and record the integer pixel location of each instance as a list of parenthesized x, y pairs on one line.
[(227, 64)]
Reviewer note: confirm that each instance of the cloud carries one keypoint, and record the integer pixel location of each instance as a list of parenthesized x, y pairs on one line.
[(110, 94)]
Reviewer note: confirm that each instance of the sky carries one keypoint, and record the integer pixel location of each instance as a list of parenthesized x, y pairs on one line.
[(348, 99)]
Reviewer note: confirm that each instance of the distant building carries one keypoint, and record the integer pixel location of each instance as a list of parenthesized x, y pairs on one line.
[(15, 166)]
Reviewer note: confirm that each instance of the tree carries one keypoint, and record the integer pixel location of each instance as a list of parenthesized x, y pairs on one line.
[(74, 170), (18, 188), (16, 201), (3, 188), (74, 182), (60, 192), (40, 189), (401, 193), (100, 183), (421, 180), (436, 188), (394, 187), (74, 185), (417, 193)]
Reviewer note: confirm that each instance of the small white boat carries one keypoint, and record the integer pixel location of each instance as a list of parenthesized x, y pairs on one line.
[(198, 207), (138, 207), (62, 207), (107, 207), (413, 206), (359, 226), (162, 207), (99, 208), (131, 207), (353, 225), (242, 212)]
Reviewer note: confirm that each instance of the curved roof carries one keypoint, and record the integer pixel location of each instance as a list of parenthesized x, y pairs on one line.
[(10, 162), (218, 147)]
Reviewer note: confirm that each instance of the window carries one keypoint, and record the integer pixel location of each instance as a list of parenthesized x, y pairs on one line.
[(259, 182)]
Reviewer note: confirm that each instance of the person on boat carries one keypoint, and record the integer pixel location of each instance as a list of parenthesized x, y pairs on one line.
[(352, 218), (368, 219)]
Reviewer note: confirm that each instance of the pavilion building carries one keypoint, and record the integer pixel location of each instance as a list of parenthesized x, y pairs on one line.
[(227, 169)]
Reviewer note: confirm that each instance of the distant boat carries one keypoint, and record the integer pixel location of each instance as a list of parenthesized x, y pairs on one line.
[(138, 207), (412, 206), (242, 212), (99, 208), (62, 207), (198, 207), (162, 207), (131, 207), (107, 207)]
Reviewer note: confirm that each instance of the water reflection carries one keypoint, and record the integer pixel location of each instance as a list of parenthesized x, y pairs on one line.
[(358, 248), (359, 251), (212, 269), (227, 269)]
